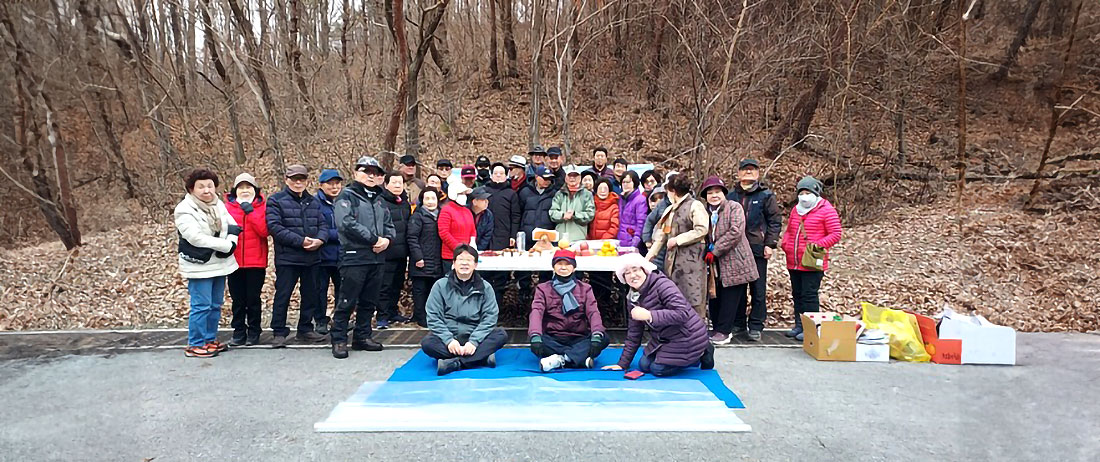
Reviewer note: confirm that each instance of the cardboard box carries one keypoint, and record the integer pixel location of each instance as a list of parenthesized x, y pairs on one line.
[(828, 340)]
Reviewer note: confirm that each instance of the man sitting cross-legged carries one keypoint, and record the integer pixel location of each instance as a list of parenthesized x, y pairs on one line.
[(565, 325)]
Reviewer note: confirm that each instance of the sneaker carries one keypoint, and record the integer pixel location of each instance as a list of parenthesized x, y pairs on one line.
[(217, 347), (491, 361), (382, 324), (199, 352), (367, 344), (279, 342), (237, 340), (311, 337), (252, 340), (400, 320), (738, 330), (793, 332), (589, 363), (446, 366), (754, 335), (719, 338), (322, 328), (551, 362), (799, 337), (339, 351), (707, 361)]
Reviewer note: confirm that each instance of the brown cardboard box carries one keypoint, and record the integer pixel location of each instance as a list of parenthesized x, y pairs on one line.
[(835, 340)]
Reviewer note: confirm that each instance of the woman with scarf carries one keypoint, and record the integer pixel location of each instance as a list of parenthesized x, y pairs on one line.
[(813, 226), (247, 206), (729, 261), (207, 239), (462, 316), (682, 231), (426, 262), (565, 326)]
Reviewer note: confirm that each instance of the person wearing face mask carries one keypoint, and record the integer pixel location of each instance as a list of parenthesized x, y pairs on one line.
[(424, 252), (814, 222), (456, 224), (517, 172), (247, 206), (444, 169), (762, 225), (299, 230), (436, 181), (208, 237), (331, 183), (397, 203), (677, 335), (483, 164), (729, 260), (462, 317), (682, 231), (565, 327), (366, 231)]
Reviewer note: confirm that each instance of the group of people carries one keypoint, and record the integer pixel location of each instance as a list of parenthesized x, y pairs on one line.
[(702, 255)]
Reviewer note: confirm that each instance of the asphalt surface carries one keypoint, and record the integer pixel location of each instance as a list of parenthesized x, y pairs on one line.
[(261, 405)]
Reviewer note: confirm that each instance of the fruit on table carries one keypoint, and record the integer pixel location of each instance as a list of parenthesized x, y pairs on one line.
[(583, 246), (608, 250), (563, 244)]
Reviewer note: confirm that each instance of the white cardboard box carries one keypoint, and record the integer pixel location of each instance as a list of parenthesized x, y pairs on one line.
[(877, 353), (982, 341)]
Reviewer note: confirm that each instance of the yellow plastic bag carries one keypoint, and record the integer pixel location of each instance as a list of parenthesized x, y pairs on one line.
[(905, 339)]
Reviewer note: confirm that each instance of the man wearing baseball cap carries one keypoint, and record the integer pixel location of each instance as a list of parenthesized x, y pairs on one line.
[(560, 335), (469, 176), (517, 172), (763, 223), (299, 229), (535, 200), (366, 231), (538, 159), (483, 164), (331, 183), (554, 161), (573, 208), (413, 185)]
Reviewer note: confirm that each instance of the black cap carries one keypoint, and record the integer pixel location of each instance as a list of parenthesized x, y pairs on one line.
[(408, 160), (553, 151), (443, 163), (480, 193), (482, 161), (748, 163), (537, 151)]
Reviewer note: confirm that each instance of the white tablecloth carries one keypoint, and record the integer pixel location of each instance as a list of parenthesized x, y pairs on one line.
[(542, 263)]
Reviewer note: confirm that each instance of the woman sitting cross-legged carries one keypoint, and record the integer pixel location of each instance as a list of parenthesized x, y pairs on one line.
[(678, 337), (462, 316), (565, 325)]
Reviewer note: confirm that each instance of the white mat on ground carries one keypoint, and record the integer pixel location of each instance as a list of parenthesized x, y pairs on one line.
[(532, 404)]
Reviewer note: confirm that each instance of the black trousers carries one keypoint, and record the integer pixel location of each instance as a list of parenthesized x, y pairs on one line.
[(286, 277), (575, 349), (421, 287), (526, 287), (723, 308), (603, 287), (245, 287), (433, 346), (805, 287), (758, 315), (326, 274), (393, 281), (499, 281), (359, 288)]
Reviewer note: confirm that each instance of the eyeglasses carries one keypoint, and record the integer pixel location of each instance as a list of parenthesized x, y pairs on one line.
[(299, 179)]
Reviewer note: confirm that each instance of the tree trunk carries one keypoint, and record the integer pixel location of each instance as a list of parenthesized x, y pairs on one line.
[(960, 146), (345, 17), (1030, 12), (294, 56), (494, 73), (809, 108), (538, 19), (389, 142), (653, 76), (324, 25), (263, 45), (429, 21), (180, 48), (227, 90), (267, 105), (441, 56), (506, 13)]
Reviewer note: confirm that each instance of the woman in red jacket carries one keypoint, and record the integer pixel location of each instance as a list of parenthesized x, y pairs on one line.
[(813, 221), (456, 224), (606, 223), (248, 207)]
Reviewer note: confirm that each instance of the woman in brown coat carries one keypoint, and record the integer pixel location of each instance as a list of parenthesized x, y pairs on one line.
[(682, 229), (730, 260)]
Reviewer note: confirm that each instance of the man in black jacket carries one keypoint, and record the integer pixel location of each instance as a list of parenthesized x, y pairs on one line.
[(396, 201), (535, 199), (366, 231), (299, 229), (762, 225)]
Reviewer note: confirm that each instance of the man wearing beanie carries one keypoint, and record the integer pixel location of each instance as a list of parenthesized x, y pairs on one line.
[(565, 326)]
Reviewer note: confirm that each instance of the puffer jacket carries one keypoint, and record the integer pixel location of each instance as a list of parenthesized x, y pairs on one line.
[(484, 225), (821, 226), (456, 227), (193, 226), (677, 336), (361, 219), (536, 210), (732, 253), (425, 244), (400, 210), (251, 249), (762, 218), (605, 223), (452, 315), (548, 315), (330, 252), (507, 213), (290, 219), (633, 208), (583, 208)]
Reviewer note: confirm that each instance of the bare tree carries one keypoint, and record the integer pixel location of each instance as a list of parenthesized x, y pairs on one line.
[(1030, 12), (537, 35), (294, 57), (226, 90), (507, 8), (255, 63), (396, 13), (430, 18), (494, 72)]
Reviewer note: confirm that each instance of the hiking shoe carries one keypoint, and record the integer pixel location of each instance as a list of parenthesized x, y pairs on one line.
[(382, 324), (797, 330), (738, 330), (339, 351), (491, 361), (237, 340), (707, 361), (199, 352), (754, 335), (311, 337), (719, 338), (217, 347), (799, 337), (279, 342), (446, 366), (322, 328), (367, 344), (252, 340), (551, 362), (400, 320)]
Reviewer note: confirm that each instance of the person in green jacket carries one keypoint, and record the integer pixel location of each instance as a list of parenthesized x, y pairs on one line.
[(462, 317), (573, 208)]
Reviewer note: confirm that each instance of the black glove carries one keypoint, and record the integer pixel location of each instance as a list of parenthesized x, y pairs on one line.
[(235, 230), (247, 207), (227, 254), (536, 345), (596, 344)]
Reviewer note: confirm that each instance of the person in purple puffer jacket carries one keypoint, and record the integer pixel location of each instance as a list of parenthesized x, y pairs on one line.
[(678, 336), (633, 209)]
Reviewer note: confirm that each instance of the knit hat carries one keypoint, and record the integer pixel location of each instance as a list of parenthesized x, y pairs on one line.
[(810, 184), (564, 254), (712, 182), (631, 260)]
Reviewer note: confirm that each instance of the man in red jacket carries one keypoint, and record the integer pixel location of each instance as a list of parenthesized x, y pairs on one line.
[(565, 326)]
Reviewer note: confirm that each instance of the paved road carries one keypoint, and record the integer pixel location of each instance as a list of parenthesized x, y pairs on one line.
[(261, 405)]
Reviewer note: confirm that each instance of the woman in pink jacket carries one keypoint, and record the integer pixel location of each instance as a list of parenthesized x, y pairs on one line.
[(813, 221)]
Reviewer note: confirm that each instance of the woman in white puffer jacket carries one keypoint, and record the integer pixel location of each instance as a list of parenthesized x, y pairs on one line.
[(207, 238)]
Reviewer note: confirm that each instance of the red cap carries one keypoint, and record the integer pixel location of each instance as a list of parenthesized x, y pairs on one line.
[(564, 254)]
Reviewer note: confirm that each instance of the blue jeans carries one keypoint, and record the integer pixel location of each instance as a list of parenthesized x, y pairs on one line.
[(207, 296), (647, 365)]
